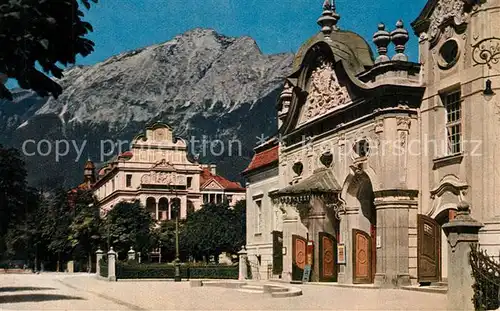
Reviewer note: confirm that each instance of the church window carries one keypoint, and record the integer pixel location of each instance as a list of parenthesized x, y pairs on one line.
[(452, 103), (112, 185), (128, 180), (189, 182), (258, 217)]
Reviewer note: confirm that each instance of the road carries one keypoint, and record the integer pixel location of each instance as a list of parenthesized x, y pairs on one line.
[(84, 292)]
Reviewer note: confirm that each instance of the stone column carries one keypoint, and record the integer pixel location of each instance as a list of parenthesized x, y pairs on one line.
[(461, 232), (242, 265), (392, 243), (157, 211), (111, 265), (99, 255)]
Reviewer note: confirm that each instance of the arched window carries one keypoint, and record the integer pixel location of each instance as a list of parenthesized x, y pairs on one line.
[(151, 207), (163, 209), (190, 207), (175, 208)]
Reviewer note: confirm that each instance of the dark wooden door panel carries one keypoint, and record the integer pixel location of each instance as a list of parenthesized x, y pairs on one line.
[(362, 245), (428, 250), (277, 252), (327, 258)]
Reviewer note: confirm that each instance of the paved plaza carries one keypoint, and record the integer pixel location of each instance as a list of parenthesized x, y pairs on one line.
[(83, 292)]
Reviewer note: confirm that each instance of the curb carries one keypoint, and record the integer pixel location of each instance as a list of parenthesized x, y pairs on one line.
[(443, 291)]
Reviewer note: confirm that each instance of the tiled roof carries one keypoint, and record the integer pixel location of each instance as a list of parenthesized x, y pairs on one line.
[(126, 154), (262, 159), (207, 177)]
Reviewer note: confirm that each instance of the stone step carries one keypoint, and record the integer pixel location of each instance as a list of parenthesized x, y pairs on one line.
[(251, 291), (253, 287)]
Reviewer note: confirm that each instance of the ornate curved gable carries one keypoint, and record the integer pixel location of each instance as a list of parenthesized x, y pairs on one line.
[(439, 14), (325, 94)]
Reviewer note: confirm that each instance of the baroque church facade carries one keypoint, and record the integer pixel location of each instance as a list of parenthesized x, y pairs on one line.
[(375, 152)]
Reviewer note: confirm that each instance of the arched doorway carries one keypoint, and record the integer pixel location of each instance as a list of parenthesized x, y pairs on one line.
[(360, 197), (151, 207), (163, 209)]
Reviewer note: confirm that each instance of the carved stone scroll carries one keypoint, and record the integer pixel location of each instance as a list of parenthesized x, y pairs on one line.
[(446, 10)]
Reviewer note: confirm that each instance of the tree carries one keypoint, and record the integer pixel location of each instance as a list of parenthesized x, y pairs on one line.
[(85, 227), (56, 231), (128, 225), (13, 189), (41, 33), (212, 230), (164, 237)]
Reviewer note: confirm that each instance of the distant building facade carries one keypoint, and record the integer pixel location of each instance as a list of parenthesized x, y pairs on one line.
[(376, 152), (157, 172)]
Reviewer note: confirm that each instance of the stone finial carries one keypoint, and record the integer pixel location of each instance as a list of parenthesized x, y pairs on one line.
[(400, 37), (382, 38), (329, 19), (99, 251)]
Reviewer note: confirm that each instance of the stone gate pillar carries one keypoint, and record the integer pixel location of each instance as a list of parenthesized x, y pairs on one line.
[(242, 265), (461, 232), (111, 265), (99, 255), (392, 242)]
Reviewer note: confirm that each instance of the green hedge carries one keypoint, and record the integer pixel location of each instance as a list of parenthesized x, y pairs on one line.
[(167, 271)]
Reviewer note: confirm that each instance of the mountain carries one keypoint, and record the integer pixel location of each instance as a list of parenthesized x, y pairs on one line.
[(205, 85)]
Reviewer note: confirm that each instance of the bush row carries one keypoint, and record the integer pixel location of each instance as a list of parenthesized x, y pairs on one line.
[(167, 271)]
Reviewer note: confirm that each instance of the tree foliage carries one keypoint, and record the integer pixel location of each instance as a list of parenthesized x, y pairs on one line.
[(214, 229), (44, 33), (128, 225), (84, 232), (13, 188)]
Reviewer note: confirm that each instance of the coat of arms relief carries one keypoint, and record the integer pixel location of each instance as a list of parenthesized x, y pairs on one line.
[(325, 93)]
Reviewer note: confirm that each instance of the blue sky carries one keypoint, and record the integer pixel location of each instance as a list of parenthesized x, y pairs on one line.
[(276, 25)]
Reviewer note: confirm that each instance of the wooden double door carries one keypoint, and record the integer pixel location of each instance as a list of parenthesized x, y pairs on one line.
[(327, 257)]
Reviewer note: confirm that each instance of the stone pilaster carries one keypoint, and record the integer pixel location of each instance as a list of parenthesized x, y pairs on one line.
[(393, 220), (348, 221), (461, 232)]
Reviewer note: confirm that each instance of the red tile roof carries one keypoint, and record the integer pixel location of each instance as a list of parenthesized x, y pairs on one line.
[(126, 154), (206, 177), (262, 159)]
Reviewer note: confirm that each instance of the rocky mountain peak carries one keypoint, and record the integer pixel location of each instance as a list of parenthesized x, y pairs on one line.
[(200, 82)]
